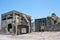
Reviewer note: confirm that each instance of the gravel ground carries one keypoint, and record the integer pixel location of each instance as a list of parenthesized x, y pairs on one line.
[(33, 36)]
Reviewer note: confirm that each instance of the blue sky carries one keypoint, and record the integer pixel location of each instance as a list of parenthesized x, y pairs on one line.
[(34, 8)]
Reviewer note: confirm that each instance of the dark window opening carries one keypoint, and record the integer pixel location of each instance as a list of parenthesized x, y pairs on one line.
[(10, 17), (9, 27), (11, 14), (22, 18), (4, 19), (55, 22), (42, 30)]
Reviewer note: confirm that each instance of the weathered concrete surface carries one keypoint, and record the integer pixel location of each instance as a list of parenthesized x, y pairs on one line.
[(33, 36)]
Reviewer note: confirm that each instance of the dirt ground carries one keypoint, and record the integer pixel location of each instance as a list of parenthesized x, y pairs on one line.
[(33, 36)]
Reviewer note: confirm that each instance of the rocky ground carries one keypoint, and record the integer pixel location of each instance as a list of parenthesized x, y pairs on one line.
[(33, 36)]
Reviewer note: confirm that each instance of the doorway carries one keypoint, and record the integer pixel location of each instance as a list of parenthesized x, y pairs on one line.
[(9, 27)]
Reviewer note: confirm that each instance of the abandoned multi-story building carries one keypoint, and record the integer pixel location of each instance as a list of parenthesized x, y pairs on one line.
[(50, 23), (14, 22)]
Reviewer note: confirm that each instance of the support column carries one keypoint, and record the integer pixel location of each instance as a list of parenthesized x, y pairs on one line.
[(16, 24), (29, 27), (16, 29)]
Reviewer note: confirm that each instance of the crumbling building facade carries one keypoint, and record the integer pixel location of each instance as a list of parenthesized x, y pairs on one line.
[(14, 22), (50, 23)]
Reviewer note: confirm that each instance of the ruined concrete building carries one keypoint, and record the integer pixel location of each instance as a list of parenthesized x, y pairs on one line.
[(50, 23), (14, 22)]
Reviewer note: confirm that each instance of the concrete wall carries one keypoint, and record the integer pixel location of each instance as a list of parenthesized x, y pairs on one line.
[(17, 19)]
